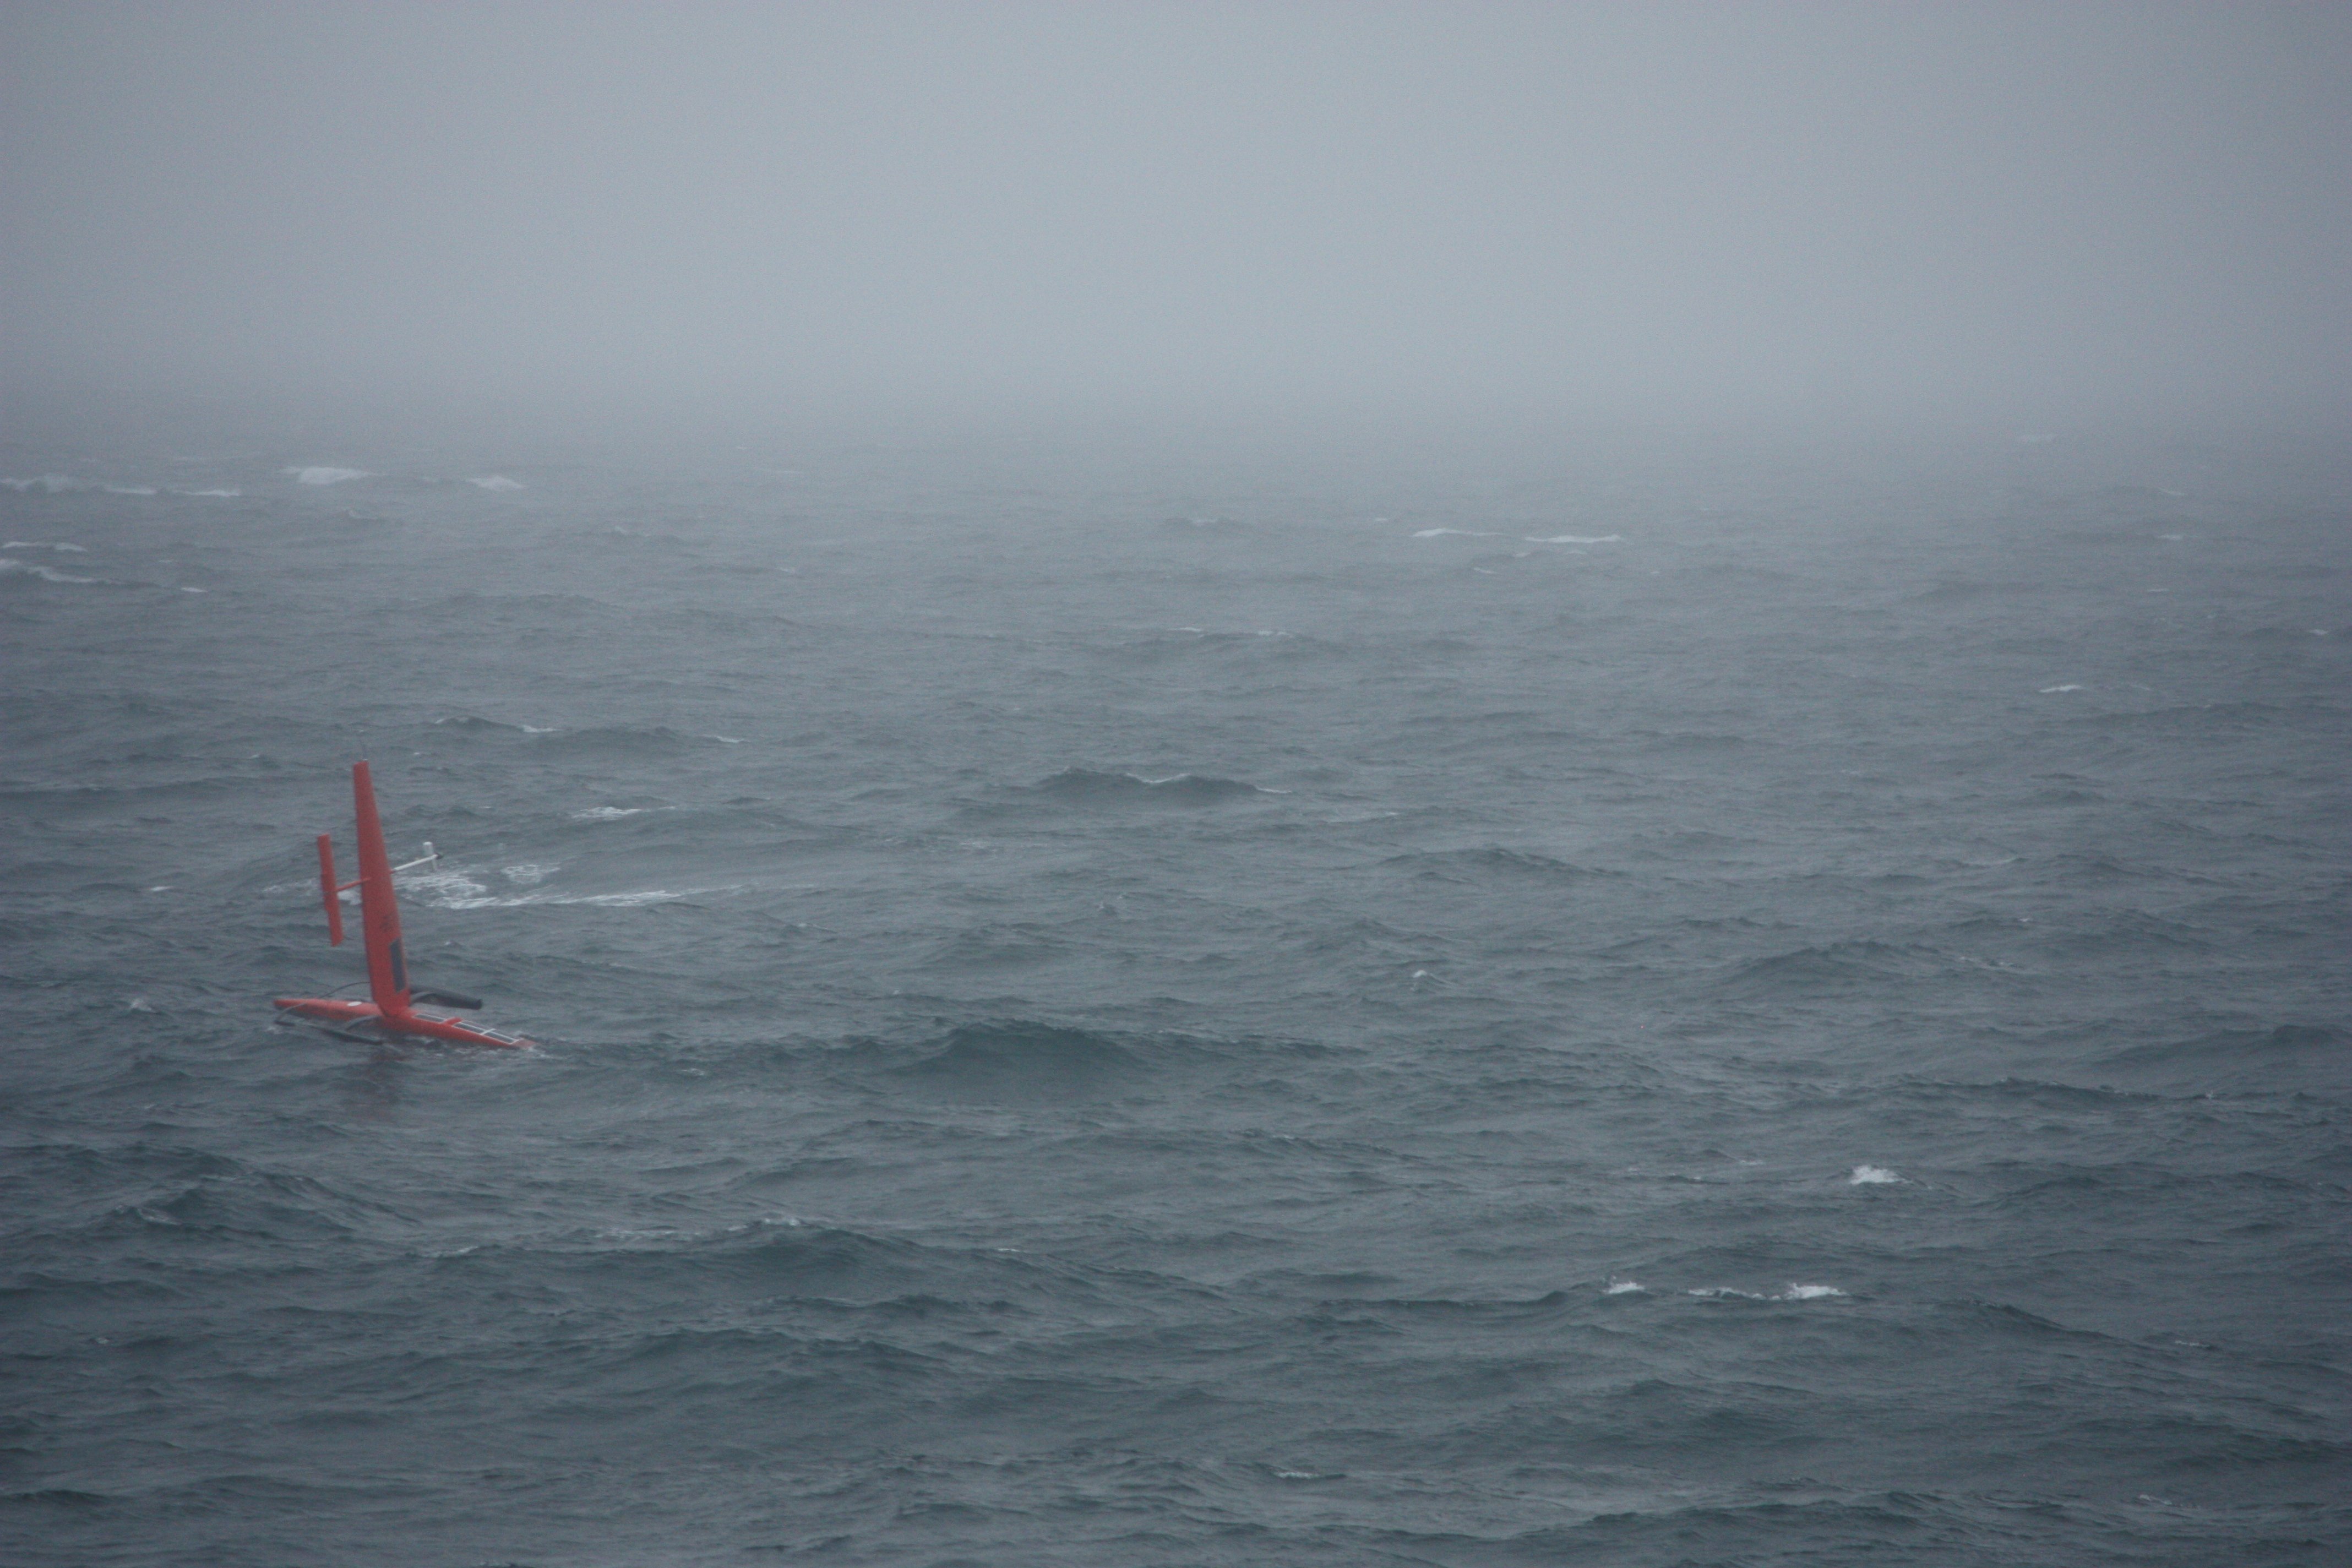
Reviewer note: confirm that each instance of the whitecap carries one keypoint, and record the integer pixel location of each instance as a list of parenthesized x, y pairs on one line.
[(632, 901), (324, 475), (187, 589), (448, 889), (1871, 1176), (1625, 1288), (130, 489), (495, 482), (1577, 539), (627, 900), (47, 484), (2048, 690), (45, 573), (527, 874), (1809, 1292), (1439, 533), (223, 494), (608, 812), (726, 740), (45, 544), (539, 729)]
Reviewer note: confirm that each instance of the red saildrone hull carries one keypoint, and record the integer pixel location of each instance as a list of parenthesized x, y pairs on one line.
[(343, 1014)]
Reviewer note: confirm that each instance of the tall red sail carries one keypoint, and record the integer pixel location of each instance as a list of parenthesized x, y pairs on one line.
[(379, 910)]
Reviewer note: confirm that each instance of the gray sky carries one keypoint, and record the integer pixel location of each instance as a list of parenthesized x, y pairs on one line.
[(1690, 210)]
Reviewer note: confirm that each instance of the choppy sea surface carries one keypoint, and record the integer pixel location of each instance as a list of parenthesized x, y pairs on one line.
[(1644, 1004)]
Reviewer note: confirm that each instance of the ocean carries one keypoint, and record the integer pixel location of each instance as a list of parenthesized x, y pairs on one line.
[(1645, 1000)]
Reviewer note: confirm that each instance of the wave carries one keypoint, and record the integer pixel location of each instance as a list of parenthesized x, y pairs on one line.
[(2306, 1058), (195, 1193), (638, 898), (1194, 642), (462, 887), (619, 741), (1578, 538), (31, 569), (2203, 716), (1089, 786), (996, 947), (1834, 964), (1016, 1059), (475, 724), (66, 802), (1493, 860), (1793, 1293), (2127, 934)]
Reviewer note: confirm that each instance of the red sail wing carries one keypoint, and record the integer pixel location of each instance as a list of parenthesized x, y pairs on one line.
[(379, 910)]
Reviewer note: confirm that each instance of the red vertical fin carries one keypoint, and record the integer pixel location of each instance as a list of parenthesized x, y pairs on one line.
[(329, 891), (379, 913)]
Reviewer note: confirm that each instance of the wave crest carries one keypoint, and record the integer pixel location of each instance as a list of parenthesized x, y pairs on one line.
[(1090, 786)]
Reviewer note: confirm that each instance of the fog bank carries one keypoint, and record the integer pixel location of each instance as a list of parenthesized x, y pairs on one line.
[(1701, 211)]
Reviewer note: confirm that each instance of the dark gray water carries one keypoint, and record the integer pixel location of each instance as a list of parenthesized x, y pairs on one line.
[(1654, 1004)]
